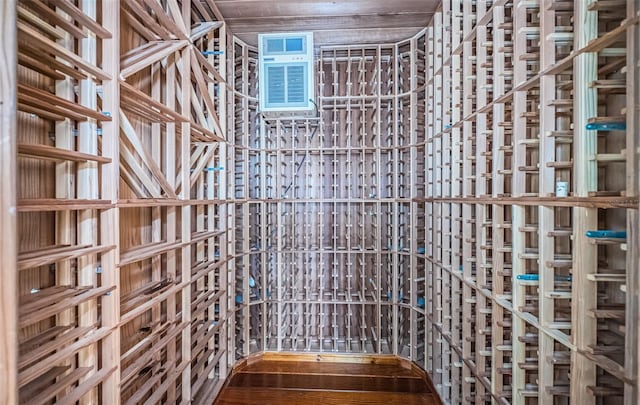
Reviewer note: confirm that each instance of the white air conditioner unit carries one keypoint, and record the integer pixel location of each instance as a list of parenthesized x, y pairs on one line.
[(287, 74)]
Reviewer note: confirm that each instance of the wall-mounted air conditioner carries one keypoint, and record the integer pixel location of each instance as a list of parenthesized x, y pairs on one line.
[(287, 74)]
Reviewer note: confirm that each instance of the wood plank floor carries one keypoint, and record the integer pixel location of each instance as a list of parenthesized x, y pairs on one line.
[(292, 380)]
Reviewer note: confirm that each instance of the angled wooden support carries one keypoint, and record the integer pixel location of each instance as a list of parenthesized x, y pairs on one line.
[(147, 159), (203, 28), (148, 54)]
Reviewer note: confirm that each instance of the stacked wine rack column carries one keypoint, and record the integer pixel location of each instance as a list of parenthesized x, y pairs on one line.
[(67, 132), (243, 187), (549, 158), (122, 284), (330, 242)]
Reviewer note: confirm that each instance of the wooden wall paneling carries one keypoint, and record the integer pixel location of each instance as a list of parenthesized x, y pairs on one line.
[(8, 251)]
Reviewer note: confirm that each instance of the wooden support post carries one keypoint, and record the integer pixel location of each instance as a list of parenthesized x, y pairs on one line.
[(8, 247), (585, 257), (171, 156), (518, 212), (185, 218), (88, 189), (467, 209), (498, 187), (110, 219), (65, 182), (546, 215)]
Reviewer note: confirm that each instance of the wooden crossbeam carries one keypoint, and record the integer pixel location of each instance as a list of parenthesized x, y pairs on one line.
[(83, 19), (172, 23), (148, 54), (203, 28), (41, 44), (33, 19), (45, 101), (205, 96), (147, 159), (139, 13)]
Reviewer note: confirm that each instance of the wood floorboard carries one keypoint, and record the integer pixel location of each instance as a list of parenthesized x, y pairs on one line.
[(298, 382), (264, 396), (312, 368), (329, 382)]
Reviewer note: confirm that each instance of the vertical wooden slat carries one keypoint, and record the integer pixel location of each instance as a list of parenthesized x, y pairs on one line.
[(65, 182), (585, 258), (88, 189), (546, 215), (110, 219), (519, 264), (185, 218)]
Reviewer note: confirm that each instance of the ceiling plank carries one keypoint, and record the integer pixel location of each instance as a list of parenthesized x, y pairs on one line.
[(350, 37), (252, 8), (286, 24), (337, 22)]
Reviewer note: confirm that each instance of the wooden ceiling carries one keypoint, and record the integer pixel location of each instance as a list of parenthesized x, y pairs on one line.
[(334, 22)]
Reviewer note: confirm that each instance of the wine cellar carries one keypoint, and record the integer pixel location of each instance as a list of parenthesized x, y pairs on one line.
[(462, 200)]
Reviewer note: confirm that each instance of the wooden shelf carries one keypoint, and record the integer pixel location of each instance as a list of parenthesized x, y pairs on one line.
[(57, 154), (54, 254)]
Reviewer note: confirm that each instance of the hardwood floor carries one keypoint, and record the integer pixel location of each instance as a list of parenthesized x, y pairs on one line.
[(327, 380)]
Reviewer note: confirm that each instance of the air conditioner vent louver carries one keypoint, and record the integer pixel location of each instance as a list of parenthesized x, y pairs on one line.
[(296, 86), (286, 73), (277, 85)]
